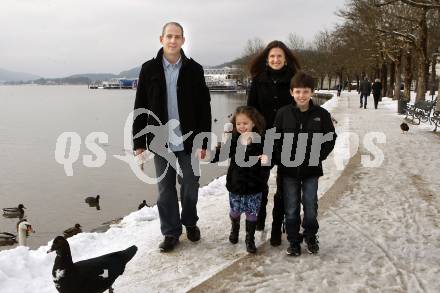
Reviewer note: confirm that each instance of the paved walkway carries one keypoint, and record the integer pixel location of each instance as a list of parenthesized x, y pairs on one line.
[(379, 226)]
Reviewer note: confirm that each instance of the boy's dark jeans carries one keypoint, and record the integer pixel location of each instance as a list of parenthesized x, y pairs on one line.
[(292, 188)]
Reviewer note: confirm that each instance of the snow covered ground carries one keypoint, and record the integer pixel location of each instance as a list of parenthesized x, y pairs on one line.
[(381, 235)]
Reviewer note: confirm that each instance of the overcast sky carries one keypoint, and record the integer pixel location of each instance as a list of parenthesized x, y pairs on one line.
[(54, 38)]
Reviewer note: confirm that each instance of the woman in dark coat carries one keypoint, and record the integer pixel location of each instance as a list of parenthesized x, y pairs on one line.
[(377, 89), (271, 72)]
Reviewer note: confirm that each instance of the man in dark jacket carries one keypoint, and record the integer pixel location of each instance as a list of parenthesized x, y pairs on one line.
[(365, 91), (173, 88), (307, 138)]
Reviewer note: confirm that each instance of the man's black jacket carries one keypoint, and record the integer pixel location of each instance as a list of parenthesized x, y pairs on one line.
[(193, 100)]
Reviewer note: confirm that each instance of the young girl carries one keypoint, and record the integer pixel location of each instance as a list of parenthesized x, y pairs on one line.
[(244, 181)]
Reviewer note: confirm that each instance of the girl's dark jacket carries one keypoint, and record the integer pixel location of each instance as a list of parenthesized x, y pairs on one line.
[(243, 180), (193, 100), (269, 92), (315, 120)]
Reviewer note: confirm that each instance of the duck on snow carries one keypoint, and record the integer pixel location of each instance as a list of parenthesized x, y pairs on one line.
[(93, 275)]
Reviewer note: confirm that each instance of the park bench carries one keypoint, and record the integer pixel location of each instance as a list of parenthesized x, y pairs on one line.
[(421, 111), (436, 119)]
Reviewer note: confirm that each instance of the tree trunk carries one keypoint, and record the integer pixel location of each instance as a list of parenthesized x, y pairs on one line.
[(398, 71), (433, 75), (384, 78), (376, 71), (392, 79), (438, 102), (427, 75), (422, 48), (408, 76), (322, 82)]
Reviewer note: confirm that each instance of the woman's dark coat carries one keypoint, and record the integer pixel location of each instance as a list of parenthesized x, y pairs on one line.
[(269, 94)]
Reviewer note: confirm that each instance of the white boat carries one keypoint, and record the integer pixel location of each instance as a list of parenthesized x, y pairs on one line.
[(222, 79)]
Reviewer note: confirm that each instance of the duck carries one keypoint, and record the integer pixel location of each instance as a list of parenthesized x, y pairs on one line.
[(92, 200), (404, 127), (72, 231), (7, 239), (143, 204), (24, 228), (14, 212), (93, 275)]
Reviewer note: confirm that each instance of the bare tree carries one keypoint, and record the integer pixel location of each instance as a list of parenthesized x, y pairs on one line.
[(253, 47), (295, 42)]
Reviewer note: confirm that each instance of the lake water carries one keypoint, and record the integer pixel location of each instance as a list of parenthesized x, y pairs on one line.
[(31, 120)]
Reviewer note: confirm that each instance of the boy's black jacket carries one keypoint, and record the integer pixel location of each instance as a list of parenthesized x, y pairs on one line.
[(243, 180), (315, 120)]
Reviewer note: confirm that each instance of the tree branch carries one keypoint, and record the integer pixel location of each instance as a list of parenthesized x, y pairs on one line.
[(410, 38), (380, 4), (419, 4)]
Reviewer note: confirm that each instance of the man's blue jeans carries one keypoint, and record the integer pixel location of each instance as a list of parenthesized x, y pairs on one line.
[(292, 188), (171, 219)]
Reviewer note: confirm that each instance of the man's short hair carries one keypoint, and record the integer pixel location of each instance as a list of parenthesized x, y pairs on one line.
[(172, 23), (302, 80)]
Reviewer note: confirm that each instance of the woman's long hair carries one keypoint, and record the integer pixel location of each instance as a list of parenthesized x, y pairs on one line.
[(258, 64)]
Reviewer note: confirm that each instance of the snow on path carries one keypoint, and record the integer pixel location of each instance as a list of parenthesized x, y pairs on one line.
[(382, 235), (395, 248)]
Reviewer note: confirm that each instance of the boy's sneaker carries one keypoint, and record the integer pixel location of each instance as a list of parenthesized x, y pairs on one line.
[(294, 249), (312, 244)]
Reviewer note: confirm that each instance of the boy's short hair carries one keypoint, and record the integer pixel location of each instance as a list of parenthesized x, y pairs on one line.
[(302, 80)]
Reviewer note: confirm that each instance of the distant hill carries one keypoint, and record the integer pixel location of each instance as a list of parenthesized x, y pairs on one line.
[(243, 61), (7, 76), (131, 73), (87, 78), (94, 76)]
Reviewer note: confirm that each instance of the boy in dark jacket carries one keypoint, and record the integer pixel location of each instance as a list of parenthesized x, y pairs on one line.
[(307, 138)]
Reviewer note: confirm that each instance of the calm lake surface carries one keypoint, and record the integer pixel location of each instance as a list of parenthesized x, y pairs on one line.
[(31, 120)]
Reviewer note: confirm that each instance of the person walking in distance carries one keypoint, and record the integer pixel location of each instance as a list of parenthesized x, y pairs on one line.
[(377, 91), (365, 91)]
